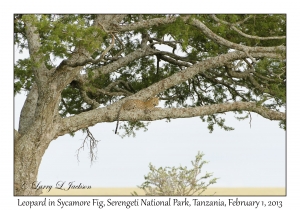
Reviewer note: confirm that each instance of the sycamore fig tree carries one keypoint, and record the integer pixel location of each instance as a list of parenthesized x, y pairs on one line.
[(81, 69)]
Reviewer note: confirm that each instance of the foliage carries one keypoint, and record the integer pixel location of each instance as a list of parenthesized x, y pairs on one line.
[(131, 125), (60, 35), (177, 181)]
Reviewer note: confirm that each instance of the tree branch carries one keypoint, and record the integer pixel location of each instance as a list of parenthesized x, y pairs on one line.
[(28, 109), (88, 100), (246, 74), (109, 114), (148, 23), (85, 61), (177, 57), (200, 67), (34, 45), (121, 92), (198, 24), (119, 63), (109, 23), (232, 25), (70, 68), (175, 62)]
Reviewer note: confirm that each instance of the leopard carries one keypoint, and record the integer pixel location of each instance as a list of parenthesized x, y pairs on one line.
[(132, 104)]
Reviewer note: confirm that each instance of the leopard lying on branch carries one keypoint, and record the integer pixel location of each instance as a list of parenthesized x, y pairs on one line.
[(137, 104)]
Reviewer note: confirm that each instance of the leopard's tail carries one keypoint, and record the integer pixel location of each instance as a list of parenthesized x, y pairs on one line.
[(118, 117)]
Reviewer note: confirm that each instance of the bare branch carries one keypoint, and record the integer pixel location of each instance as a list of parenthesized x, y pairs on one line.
[(92, 143)]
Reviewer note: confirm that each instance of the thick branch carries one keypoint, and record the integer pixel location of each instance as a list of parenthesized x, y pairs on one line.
[(34, 45), (200, 67), (109, 114), (28, 110), (222, 108)]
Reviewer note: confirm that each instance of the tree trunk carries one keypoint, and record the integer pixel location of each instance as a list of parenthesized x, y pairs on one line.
[(28, 156), (31, 144)]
